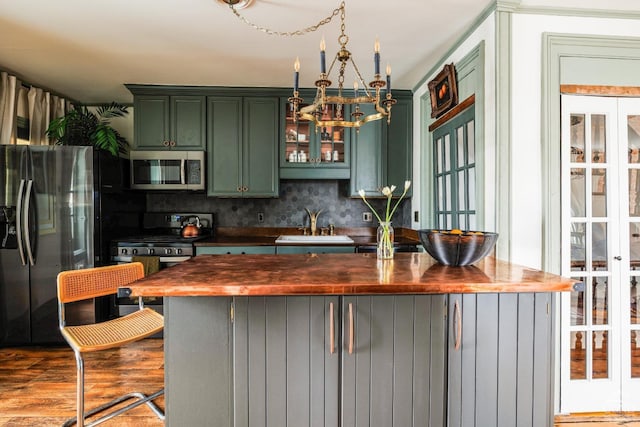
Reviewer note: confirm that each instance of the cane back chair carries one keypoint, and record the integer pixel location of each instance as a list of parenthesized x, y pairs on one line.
[(76, 285)]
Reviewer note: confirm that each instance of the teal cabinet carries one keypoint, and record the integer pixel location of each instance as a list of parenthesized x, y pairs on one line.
[(382, 154), (169, 122), (320, 249), (331, 361), (326, 150), (242, 146), (229, 250)]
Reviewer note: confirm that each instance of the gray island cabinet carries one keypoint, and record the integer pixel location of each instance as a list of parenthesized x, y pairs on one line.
[(409, 364), (280, 340)]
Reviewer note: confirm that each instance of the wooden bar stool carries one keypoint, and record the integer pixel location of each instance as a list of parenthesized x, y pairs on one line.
[(76, 285)]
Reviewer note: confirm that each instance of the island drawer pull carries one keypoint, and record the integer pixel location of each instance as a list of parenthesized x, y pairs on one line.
[(350, 328), (458, 320), (331, 329)]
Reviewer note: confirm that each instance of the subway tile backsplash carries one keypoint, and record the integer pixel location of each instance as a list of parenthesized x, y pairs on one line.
[(286, 211)]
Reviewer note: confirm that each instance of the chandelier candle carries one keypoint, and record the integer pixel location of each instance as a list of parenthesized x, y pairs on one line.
[(376, 56), (323, 62), (388, 81), (296, 74)]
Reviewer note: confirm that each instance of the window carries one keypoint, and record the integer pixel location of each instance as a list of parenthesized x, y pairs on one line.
[(454, 172)]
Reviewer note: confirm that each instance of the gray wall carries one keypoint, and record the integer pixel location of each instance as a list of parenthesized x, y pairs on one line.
[(286, 211)]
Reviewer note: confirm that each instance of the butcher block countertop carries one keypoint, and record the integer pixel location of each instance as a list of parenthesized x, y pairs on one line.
[(340, 274)]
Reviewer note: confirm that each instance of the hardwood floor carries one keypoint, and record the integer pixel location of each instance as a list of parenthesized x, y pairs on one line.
[(37, 386)]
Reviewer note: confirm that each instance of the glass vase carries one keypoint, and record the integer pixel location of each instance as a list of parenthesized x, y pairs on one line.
[(385, 237)]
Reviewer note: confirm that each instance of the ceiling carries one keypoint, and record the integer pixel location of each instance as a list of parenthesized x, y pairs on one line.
[(87, 50)]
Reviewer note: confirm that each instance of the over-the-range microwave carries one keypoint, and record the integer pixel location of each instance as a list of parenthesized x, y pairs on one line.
[(167, 170)]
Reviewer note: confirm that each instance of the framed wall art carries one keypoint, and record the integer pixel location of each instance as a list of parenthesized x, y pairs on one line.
[(443, 91)]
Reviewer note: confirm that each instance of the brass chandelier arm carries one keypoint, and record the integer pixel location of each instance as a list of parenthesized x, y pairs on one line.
[(300, 32)]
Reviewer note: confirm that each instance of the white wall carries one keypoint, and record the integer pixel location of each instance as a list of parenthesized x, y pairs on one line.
[(526, 85)]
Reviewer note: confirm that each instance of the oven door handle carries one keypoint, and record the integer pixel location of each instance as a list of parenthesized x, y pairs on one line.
[(163, 259), (183, 171)]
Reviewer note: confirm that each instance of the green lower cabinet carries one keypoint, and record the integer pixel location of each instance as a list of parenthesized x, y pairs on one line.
[(315, 249), (288, 371), (470, 360), (499, 361), (237, 250)]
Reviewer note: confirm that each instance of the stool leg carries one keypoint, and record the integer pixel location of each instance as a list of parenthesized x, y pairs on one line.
[(79, 390)]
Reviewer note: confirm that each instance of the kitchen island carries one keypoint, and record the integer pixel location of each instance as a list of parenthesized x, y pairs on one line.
[(347, 340)]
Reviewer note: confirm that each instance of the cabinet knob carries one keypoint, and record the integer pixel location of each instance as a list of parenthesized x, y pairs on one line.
[(239, 189), (172, 143), (165, 143), (245, 188)]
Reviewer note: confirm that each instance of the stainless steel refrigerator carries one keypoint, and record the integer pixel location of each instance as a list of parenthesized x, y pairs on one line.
[(46, 226)]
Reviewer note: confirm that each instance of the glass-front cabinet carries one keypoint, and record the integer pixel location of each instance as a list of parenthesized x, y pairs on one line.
[(308, 151)]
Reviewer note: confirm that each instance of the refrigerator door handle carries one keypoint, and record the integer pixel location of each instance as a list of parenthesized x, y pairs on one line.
[(19, 223), (27, 236)]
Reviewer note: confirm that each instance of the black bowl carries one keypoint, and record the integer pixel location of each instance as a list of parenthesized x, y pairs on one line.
[(457, 249)]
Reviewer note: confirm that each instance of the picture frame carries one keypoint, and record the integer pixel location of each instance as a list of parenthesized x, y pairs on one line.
[(443, 91)]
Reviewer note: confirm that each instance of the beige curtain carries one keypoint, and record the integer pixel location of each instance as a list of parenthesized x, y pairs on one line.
[(58, 107), (39, 116), (8, 101)]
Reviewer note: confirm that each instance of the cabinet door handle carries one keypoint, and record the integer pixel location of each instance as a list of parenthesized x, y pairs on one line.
[(350, 328), (458, 320), (332, 331)]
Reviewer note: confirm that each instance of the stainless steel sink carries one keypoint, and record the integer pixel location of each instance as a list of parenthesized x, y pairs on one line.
[(313, 239)]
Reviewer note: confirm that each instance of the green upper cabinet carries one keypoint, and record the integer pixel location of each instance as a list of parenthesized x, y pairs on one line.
[(169, 122), (381, 153), (242, 146), (326, 150)]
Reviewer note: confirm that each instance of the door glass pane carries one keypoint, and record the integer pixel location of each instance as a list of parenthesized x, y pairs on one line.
[(634, 192), (634, 245), (577, 138), (600, 294), (471, 138), (439, 144), (447, 153), (600, 354), (447, 184), (634, 294), (633, 138), (635, 353), (440, 193), (598, 139), (472, 222), (599, 246), (598, 193), (461, 145), (578, 355), (577, 307), (472, 189), (578, 193), (461, 191), (578, 247)]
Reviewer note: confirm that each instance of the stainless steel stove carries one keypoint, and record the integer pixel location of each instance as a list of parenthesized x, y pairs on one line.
[(161, 239), (164, 239)]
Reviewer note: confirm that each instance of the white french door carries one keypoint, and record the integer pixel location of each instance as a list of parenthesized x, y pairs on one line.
[(600, 343)]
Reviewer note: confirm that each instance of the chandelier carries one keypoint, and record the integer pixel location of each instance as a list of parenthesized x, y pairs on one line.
[(360, 94), (370, 94)]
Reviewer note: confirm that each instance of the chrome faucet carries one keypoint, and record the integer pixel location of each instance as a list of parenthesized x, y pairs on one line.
[(313, 219)]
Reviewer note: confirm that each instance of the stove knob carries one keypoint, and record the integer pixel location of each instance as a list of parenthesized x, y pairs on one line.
[(123, 251), (151, 251), (134, 251), (167, 251), (178, 251)]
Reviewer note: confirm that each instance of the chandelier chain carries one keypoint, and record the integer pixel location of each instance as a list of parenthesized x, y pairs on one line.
[(299, 32)]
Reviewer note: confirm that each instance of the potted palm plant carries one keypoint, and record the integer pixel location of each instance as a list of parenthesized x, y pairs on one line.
[(80, 126)]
